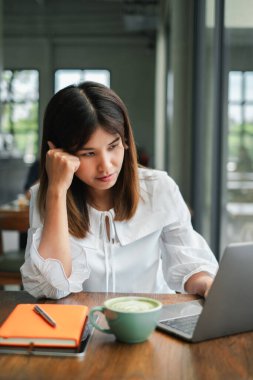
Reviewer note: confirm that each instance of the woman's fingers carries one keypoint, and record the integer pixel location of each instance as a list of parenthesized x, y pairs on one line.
[(60, 167), (64, 155), (51, 145)]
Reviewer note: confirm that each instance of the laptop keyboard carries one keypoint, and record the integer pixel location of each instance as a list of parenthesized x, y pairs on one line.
[(185, 324)]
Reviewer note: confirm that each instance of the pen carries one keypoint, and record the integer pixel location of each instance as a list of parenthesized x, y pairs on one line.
[(44, 315)]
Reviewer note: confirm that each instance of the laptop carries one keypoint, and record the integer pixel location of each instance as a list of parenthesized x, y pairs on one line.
[(228, 308)]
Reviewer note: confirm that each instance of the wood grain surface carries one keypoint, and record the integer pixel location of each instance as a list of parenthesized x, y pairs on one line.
[(161, 357)]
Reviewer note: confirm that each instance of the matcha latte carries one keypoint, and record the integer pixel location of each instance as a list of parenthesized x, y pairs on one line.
[(132, 305)]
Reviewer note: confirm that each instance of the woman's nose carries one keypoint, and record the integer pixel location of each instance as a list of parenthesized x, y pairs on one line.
[(104, 162)]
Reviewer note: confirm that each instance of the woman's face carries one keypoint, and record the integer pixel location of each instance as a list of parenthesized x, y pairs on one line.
[(101, 160)]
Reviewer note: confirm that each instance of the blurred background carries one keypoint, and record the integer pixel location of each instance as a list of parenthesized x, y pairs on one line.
[(184, 68)]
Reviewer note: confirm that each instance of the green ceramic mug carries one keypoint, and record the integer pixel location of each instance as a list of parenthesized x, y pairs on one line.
[(130, 319)]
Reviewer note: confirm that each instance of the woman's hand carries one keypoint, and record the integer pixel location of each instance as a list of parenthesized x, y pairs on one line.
[(61, 167), (199, 283), (54, 243)]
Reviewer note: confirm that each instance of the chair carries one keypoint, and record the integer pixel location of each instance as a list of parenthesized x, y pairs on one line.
[(10, 262)]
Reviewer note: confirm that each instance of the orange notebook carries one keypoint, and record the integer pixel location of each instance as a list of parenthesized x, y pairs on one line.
[(24, 327)]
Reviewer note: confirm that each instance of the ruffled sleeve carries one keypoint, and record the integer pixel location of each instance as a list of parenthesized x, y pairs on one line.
[(46, 277), (184, 251)]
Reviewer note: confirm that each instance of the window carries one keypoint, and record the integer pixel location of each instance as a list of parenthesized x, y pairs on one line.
[(240, 111), (19, 121), (238, 196), (67, 77)]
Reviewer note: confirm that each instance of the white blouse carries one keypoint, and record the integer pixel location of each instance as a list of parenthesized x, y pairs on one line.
[(154, 252)]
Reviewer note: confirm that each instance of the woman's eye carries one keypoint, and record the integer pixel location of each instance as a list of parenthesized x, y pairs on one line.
[(88, 154), (111, 147)]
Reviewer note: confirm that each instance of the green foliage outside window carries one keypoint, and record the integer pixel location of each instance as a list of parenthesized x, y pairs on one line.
[(20, 104), (240, 136)]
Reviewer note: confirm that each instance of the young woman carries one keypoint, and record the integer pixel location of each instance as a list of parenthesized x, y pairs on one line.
[(97, 221)]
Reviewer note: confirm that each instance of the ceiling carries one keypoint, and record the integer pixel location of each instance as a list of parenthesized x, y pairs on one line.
[(79, 18)]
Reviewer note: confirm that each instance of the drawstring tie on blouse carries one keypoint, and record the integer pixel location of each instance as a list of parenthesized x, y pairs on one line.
[(108, 242)]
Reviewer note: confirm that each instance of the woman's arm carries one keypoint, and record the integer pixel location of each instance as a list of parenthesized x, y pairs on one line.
[(186, 255), (199, 283), (46, 278), (54, 243)]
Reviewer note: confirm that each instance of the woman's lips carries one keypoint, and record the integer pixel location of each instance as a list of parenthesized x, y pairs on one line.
[(107, 178)]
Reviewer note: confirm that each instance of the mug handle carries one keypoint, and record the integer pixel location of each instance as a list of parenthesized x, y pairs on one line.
[(101, 309)]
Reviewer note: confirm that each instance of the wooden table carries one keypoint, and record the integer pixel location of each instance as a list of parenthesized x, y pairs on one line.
[(161, 357), (13, 218)]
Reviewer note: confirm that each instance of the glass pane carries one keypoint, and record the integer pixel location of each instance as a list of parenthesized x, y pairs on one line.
[(234, 116), (249, 86), (26, 142), (24, 116), (248, 112), (25, 85), (5, 109), (6, 76), (235, 86), (100, 76), (19, 118), (20, 85), (65, 78)]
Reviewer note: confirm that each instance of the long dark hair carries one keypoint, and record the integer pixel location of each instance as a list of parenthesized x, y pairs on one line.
[(72, 116)]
